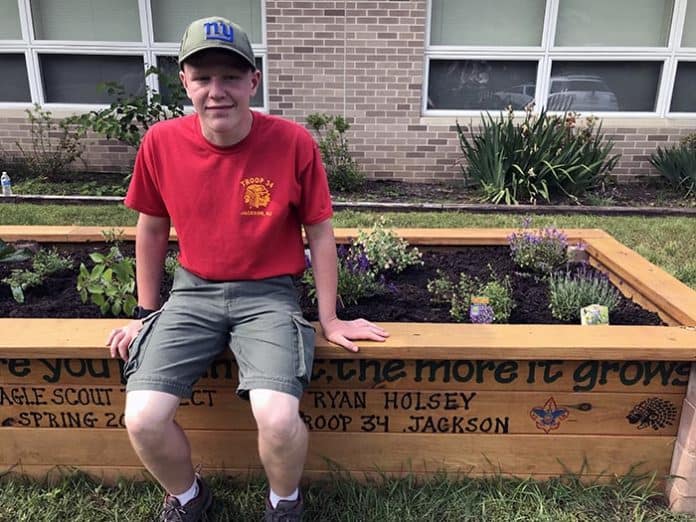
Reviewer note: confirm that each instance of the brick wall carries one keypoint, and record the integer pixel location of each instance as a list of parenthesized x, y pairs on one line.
[(365, 60)]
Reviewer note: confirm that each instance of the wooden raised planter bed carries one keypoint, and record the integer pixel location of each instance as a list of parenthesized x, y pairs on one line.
[(522, 400)]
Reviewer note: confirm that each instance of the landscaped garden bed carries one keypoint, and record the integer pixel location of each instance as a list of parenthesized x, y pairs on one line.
[(521, 399)]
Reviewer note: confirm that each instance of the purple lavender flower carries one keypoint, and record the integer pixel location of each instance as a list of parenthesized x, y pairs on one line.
[(481, 314)]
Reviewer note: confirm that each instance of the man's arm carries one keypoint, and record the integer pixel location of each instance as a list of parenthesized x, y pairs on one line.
[(322, 246), (151, 240)]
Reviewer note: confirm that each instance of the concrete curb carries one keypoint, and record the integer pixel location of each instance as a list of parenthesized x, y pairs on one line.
[(405, 207)]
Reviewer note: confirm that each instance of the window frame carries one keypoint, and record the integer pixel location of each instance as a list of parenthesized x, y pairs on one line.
[(147, 49), (546, 53)]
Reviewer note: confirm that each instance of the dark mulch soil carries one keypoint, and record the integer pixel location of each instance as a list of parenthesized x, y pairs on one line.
[(409, 300), (649, 193)]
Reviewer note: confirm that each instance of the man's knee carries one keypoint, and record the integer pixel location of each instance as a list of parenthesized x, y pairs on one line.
[(277, 415), (148, 413)]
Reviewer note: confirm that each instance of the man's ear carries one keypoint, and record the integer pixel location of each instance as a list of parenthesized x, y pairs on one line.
[(255, 80)]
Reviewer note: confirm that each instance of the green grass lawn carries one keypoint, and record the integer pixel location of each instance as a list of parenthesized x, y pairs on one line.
[(496, 499), (669, 242)]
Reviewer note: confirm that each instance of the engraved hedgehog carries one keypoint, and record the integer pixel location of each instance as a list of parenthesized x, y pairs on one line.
[(653, 412)]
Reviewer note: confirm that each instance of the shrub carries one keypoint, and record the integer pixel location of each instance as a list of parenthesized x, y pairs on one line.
[(111, 282), (385, 251), (542, 156), (44, 263), (538, 251), (678, 164), (54, 146), (568, 293), (127, 118), (355, 279), (342, 170), (459, 295)]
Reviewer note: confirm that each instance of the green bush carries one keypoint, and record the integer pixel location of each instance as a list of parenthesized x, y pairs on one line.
[(678, 164), (386, 251), (355, 279), (127, 119), (342, 170), (543, 156), (570, 292), (44, 263), (459, 294), (111, 282), (538, 251), (54, 147)]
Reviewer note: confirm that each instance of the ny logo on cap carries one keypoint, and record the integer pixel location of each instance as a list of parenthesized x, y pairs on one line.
[(219, 31)]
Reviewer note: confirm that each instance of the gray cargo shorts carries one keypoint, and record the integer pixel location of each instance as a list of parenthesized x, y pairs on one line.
[(260, 321)]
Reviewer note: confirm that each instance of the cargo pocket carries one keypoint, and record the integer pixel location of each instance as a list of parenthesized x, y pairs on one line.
[(136, 349), (304, 332)]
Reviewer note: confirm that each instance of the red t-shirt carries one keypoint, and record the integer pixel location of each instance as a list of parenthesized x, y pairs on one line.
[(237, 210)]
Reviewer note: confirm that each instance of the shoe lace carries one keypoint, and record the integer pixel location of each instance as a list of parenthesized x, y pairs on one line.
[(172, 513)]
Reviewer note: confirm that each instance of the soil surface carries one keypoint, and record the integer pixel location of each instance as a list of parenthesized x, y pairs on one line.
[(650, 193), (408, 299)]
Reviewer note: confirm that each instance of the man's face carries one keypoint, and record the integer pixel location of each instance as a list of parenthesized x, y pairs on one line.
[(220, 89)]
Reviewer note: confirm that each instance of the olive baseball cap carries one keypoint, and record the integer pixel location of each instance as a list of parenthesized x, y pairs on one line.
[(215, 32)]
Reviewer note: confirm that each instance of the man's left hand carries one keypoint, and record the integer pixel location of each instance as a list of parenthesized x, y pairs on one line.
[(344, 332)]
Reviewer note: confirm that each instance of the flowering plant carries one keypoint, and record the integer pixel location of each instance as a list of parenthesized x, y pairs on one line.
[(356, 280), (538, 251), (385, 250), (568, 293)]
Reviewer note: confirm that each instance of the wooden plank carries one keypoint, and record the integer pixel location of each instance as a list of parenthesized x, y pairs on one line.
[(85, 338), (403, 411), (518, 454), (415, 236), (663, 377), (667, 292)]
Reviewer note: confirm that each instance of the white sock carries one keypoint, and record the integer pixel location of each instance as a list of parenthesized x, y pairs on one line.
[(274, 498), (189, 494)]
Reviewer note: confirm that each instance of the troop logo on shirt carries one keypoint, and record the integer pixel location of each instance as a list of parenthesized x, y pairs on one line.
[(257, 196)]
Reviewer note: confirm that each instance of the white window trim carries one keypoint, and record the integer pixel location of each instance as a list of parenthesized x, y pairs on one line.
[(547, 52), (147, 48)]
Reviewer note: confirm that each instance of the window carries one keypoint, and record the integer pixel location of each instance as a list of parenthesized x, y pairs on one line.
[(169, 65), (592, 56), (60, 51), (14, 66)]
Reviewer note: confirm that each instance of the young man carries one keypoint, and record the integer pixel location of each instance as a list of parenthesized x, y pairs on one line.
[(238, 186)]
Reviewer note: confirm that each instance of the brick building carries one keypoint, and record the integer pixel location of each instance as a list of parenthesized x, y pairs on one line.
[(402, 71)]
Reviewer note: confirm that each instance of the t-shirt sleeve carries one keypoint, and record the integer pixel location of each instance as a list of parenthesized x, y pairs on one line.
[(143, 192), (315, 205)]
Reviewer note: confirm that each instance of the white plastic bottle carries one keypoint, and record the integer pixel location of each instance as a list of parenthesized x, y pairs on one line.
[(6, 184)]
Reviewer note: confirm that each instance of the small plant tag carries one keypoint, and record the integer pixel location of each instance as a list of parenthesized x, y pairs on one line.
[(594, 314), (480, 310)]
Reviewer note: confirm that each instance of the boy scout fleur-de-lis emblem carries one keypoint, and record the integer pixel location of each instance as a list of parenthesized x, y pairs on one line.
[(549, 416)]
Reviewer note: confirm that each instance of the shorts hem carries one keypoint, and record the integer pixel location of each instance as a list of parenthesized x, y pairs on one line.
[(161, 386), (294, 389)]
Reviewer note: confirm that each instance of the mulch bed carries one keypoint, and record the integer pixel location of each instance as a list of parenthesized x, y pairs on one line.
[(408, 300)]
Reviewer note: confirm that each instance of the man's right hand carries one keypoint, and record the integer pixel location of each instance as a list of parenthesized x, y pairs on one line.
[(120, 338)]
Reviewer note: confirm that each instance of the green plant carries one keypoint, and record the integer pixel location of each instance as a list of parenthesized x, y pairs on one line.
[(54, 146), (568, 293), (498, 291), (542, 156), (111, 282), (540, 251), (355, 280), (171, 263), (678, 164), (385, 250), (341, 168), (10, 254), (127, 118), (44, 263)]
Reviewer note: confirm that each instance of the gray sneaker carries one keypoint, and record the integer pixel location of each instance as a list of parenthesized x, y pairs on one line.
[(193, 511), (285, 511)]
